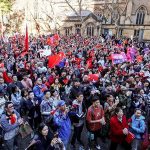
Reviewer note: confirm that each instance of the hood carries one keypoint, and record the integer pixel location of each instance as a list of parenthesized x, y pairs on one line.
[(141, 118)]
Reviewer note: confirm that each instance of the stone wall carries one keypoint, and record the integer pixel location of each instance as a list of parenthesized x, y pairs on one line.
[(146, 34)]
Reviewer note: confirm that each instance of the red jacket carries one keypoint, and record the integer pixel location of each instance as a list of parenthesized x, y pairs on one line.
[(116, 129), (6, 78), (94, 114)]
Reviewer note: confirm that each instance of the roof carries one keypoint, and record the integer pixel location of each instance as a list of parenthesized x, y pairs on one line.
[(84, 13), (78, 18)]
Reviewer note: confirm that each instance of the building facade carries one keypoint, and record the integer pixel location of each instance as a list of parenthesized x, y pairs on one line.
[(126, 18)]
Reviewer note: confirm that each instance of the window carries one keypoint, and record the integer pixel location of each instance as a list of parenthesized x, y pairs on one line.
[(78, 25), (136, 33), (90, 30), (121, 31), (140, 16), (67, 31)]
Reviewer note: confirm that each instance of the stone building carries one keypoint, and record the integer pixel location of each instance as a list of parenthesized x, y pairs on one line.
[(133, 19)]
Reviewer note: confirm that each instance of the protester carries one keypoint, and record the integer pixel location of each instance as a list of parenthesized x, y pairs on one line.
[(95, 119), (79, 108), (138, 128), (26, 82), (62, 120), (42, 140), (23, 103), (16, 98), (47, 106), (39, 89), (33, 110), (118, 130), (10, 121), (115, 70)]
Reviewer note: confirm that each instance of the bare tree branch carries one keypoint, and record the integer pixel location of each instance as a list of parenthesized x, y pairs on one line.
[(68, 3), (115, 8)]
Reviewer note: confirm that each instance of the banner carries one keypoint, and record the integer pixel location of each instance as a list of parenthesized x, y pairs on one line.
[(44, 52), (146, 50), (118, 58), (131, 52)]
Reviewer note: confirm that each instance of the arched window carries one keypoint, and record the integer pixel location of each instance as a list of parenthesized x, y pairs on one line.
[(140, 16), (90, 30), (67, 31)]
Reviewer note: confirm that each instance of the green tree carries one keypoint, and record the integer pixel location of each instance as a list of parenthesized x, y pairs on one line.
[(5, 5)]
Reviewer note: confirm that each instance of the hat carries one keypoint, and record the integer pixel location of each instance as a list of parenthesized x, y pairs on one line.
[(61, 103)]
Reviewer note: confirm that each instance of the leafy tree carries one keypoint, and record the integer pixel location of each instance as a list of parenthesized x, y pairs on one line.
[(5, 5)]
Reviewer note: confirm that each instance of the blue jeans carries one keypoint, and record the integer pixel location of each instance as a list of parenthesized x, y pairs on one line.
[(65, 142), (10, 144)]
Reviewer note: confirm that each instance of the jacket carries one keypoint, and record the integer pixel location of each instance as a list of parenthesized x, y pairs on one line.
[(116, 129), (10, 130), (77, 113), (38, 92), (16, 100), (73, 92), (64, 126), (94, 114), (32, 109), (44, 143), (138, 126)]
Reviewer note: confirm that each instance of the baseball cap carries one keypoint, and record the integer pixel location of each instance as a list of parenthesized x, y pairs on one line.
[(61, 103)]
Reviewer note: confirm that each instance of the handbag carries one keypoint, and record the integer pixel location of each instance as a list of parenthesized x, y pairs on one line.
[(129, 138), (25, 130)]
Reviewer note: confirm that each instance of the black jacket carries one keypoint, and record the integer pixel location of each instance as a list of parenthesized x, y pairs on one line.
[(32, 109)]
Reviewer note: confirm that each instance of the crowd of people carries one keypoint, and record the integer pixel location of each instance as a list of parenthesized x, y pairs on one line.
[(87, 90)]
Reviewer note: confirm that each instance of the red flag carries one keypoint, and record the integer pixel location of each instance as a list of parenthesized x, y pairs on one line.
[(55, 59), (49, 41), (89, 63), (56, 37), (23, 54), (6, 78), (1, 65), (26, 40), (93, 77)]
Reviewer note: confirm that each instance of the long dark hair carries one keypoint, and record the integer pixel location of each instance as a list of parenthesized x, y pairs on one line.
[(13, 89), (40, 128)]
